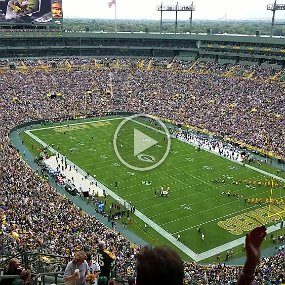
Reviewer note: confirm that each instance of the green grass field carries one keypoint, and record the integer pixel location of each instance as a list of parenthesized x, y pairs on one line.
[(194, 201)]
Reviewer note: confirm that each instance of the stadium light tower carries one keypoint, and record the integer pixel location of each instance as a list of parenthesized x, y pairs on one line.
[(175, 8), (274, 7)]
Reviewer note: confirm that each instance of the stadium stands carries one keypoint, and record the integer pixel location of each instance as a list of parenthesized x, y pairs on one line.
[(250, 111), (228, 49)]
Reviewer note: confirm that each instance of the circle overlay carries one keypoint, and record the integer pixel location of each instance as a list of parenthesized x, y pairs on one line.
[(131, 118)]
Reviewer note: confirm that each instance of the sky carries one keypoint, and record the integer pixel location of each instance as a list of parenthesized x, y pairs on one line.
[(147, 9)]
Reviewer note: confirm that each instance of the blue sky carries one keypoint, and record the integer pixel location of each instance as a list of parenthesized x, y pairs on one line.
[(146, 9)]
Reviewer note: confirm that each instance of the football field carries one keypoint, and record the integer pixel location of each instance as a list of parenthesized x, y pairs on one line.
[(225, 199)]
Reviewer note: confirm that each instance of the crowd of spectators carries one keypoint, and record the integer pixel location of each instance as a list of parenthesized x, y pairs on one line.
[(269, 271), (46, 221)]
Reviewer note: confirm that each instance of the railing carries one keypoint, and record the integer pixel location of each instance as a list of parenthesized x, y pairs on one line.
[(48, 278), (52, 265), (41, 278)]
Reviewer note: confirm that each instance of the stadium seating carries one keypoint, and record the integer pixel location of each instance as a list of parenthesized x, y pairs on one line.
[(29, 202)]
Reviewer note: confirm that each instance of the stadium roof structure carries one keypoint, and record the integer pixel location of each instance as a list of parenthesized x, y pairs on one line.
[(236, 49)]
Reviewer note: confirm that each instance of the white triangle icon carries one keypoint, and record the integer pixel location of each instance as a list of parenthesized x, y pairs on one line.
[(142, 142)]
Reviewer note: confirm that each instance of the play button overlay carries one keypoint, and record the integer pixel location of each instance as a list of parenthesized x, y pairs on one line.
[(141, 142)]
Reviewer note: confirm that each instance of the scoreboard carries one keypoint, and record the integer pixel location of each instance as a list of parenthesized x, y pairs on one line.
[(31, 11)]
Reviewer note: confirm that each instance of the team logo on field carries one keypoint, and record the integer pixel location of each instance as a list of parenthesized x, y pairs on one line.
[(146, 157), (141, 142)]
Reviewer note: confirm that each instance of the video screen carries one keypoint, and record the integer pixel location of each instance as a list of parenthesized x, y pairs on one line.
[(28, 11), (56, 9)]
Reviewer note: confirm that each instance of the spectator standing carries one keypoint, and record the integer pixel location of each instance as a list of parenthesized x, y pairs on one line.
[(106, 260), (94, 267), (76, 270)]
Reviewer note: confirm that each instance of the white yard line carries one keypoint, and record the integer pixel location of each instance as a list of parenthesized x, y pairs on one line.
[(215, 153), (232, 244), (195, 256), (238, 162), (150, 127)]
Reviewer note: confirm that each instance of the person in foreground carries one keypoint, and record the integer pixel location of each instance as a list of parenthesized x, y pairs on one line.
[(253, 242), (13, 268), (76, 270), (162, 265), (159, 265), (24, 278)]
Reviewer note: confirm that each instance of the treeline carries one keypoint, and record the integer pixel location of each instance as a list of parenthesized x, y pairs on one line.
[(216, 27)]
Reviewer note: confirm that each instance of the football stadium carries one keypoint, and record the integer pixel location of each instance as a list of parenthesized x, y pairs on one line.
[(140, 157)]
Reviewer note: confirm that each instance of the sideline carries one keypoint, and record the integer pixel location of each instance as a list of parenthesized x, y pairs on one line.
[(140, 215), (89, 209), (234, 243), (217, 154), (193, 255)]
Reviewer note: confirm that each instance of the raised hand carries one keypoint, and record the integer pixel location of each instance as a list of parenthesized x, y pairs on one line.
[(253, 242)]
